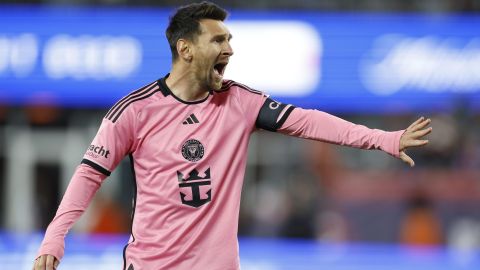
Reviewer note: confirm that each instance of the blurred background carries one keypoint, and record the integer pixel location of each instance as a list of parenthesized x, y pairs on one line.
[(306, 205)]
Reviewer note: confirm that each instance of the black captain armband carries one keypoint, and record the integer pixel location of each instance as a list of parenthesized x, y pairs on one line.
[(268, 117)]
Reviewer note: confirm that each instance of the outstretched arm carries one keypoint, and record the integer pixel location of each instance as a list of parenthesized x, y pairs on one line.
[(413, 137), (321, 126)]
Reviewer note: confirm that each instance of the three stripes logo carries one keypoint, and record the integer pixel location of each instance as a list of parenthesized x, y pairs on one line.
[(142, 93), (191, 119)]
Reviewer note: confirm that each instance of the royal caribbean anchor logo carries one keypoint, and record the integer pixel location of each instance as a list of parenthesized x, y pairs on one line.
[(194, 182)]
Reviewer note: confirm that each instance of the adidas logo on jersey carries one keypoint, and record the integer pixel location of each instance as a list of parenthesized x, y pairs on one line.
[(191, 120)]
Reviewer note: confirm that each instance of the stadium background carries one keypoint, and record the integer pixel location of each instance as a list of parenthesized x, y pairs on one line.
[(306, 205)]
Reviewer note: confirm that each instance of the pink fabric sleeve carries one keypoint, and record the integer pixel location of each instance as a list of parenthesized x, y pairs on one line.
[(83, 185), (112, 142), (321, 126), (250, 101)]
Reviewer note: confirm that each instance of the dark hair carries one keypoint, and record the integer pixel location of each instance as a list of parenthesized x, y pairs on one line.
[(185, 23)]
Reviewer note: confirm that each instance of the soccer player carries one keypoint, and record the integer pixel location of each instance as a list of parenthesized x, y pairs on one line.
[(187, 135)]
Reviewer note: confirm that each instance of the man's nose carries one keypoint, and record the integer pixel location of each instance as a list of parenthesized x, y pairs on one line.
[(228, 50)]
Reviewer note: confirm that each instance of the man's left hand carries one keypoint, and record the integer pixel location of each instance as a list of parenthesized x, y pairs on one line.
[(413, 137)]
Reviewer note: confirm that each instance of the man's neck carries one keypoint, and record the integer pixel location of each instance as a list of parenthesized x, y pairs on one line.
[(183, 85)]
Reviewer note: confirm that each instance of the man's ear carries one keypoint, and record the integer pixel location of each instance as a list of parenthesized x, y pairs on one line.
[(184, 49)]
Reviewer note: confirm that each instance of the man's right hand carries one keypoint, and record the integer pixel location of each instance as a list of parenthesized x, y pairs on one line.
[(46, 262)]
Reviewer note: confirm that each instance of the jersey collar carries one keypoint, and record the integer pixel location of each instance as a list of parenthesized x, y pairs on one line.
[(166, 92)]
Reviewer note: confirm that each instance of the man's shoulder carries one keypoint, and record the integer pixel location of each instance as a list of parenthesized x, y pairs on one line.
[(233, 86), (133, 101)]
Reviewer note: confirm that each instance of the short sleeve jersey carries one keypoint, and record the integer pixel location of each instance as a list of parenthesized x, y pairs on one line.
[(189, 162)]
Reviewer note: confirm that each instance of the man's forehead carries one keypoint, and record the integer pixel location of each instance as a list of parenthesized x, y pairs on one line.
[(213, 27)]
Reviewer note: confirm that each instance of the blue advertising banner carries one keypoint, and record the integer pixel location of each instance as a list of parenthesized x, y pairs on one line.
[(339, 62), (105, 252)]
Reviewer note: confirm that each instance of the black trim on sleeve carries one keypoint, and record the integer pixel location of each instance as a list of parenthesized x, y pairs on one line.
[(269, 113), (96, 166), (285, 116)]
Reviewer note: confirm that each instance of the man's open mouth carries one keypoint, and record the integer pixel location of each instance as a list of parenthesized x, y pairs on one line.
[(219, 68)]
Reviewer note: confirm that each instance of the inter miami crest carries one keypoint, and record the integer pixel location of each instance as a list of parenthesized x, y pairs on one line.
[(193, 150), (192, 184)]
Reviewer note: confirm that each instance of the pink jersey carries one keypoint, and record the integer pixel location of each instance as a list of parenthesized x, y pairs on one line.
[(189, 161)]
